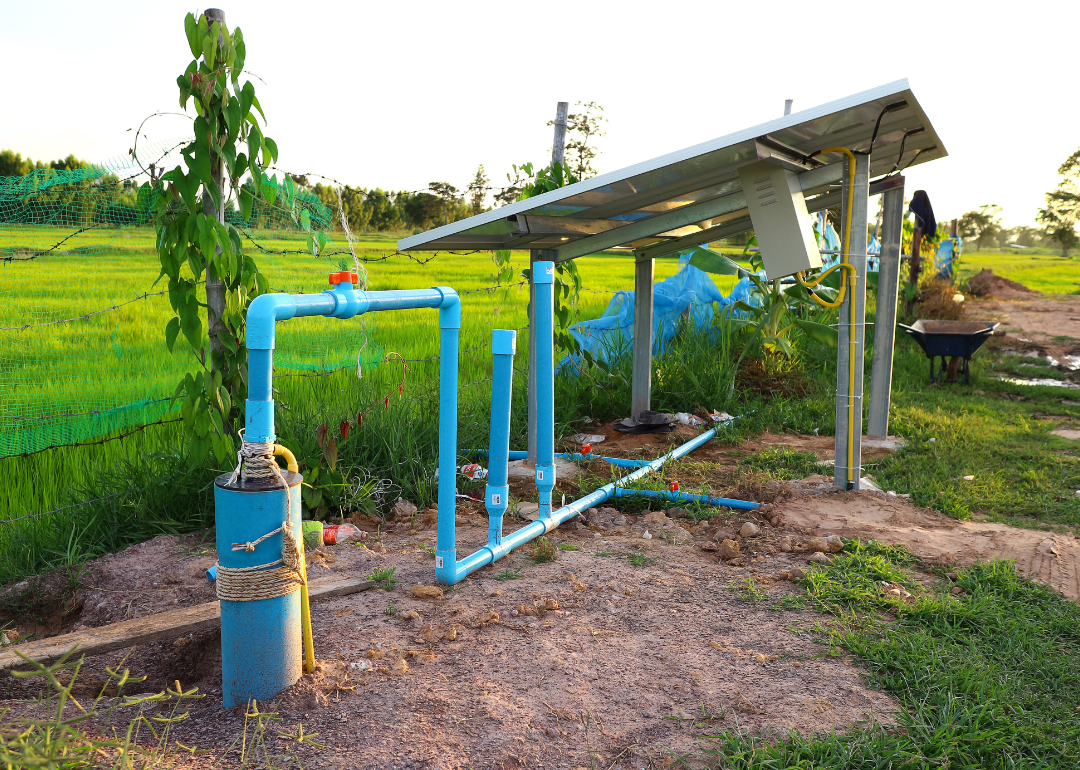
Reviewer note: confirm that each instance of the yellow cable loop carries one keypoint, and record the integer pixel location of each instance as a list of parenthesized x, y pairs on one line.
[(850, 271), (305, 602)]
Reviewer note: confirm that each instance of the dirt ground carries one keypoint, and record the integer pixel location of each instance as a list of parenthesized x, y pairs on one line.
[(597, 656), (1048, 324)]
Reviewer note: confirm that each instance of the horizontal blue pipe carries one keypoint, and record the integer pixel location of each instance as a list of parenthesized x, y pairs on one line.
[(490, 553), (574, 456), (684, 497)]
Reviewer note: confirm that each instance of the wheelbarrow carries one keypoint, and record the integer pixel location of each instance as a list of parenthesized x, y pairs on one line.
[(956, 339)]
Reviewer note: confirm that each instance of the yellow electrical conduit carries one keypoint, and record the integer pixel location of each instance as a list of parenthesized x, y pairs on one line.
[(305, 603), (849, 270)]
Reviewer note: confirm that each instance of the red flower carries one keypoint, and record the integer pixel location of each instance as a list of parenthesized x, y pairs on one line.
[(387, 402), (344, 429), (359, 419)]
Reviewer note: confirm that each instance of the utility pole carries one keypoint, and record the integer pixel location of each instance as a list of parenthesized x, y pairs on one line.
[(215, 287), (558, 147)]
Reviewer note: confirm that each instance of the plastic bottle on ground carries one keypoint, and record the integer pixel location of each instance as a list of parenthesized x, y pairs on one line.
[(342, 533)]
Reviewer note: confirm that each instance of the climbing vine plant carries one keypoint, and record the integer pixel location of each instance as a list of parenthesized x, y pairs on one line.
[(229, 146), (567, 287)]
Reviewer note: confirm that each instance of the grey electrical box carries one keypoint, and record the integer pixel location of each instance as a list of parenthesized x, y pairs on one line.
[(785, 233)]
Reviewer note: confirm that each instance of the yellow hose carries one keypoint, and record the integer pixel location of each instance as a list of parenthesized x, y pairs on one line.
[(852, 278), (305, 601)]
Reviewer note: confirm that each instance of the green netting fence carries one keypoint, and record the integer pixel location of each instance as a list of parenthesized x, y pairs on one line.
[(82, 342)]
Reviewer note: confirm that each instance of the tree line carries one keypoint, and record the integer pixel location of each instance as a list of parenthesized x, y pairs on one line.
[(1059, 217)]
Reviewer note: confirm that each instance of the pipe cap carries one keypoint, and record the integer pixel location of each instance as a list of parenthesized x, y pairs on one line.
[(344, 276)]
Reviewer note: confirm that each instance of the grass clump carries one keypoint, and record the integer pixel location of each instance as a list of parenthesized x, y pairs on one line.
[(384, 578), (641, 560), (543, 551), (987, 678), (784, 464)]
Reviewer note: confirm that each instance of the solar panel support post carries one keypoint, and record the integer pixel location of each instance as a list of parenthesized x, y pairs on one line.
[(892, 228), (851, 456), (641, 379), (558, 149)]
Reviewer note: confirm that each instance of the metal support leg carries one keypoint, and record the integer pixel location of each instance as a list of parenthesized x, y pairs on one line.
[(641, 383), (852, 337), (892, 226)]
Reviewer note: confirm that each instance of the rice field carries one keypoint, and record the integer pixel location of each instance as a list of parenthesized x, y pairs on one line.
[(73, 380)]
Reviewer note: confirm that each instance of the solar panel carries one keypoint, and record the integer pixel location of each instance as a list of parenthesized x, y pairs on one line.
[(693, 195)]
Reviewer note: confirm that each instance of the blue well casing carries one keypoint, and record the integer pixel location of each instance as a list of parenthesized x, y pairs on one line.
[(261, 641)]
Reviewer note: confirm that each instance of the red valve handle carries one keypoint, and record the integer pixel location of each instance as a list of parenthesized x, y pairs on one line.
[(344, 276)]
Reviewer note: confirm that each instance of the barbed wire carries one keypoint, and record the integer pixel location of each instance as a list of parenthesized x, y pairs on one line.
[(84, 316), (131, 432), (66, 507)]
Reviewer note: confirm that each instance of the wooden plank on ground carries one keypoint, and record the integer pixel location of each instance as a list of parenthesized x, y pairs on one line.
[(164, 625)]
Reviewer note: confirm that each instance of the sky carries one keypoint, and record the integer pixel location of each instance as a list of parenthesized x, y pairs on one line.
[(397, 95)]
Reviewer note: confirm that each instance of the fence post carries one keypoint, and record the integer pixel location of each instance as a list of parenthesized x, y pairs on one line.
[(892, 229), (850, 456), (542, 255), (641, 378), (215, 287)]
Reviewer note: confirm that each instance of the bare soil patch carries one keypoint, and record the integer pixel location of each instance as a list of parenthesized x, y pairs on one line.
[(588, 656)]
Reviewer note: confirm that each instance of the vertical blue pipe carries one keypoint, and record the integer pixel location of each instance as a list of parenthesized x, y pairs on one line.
[(544, 314), (496, 496), (449, 329), (261, 641)]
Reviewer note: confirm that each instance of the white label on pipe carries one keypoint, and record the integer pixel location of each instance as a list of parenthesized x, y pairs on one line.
[(539, 475), (496, 499), (438, 562), (551, 269)]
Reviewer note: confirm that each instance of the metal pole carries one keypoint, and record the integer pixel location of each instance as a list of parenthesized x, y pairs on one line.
[(558, 149), (851, 456), (892, 228), (787, 106), (641, 379), (215, 287)]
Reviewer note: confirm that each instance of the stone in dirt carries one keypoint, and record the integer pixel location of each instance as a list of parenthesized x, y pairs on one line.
[(749, 530), (729, 549), (377, 547), (426, 592), (819, 558), (785, 544), (678, 513), (816, 544), (403, 509), (797, 573), (656, 517), (835, 544)]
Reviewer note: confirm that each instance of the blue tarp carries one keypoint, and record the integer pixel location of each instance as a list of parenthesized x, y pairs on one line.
[(690, 292)]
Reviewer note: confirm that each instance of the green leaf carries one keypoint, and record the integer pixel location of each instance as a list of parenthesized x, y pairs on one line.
[(191, 29), (826, 335), (191, 323), (271, 147), (202, 423), (172, 329), (714, 262), (246, 200)]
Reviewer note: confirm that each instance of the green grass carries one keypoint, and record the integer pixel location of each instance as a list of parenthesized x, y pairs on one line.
[(986, 679), (783, 463), (1040, 269)]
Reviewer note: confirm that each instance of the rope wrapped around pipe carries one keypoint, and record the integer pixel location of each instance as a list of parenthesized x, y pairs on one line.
[(263, 581)]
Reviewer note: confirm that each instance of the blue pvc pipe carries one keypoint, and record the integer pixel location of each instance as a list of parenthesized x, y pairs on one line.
[(449, 329), (516, 454), (543, 275), (261, 641), (491, 553), (497, 494), (684, 497), (261, 646)]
